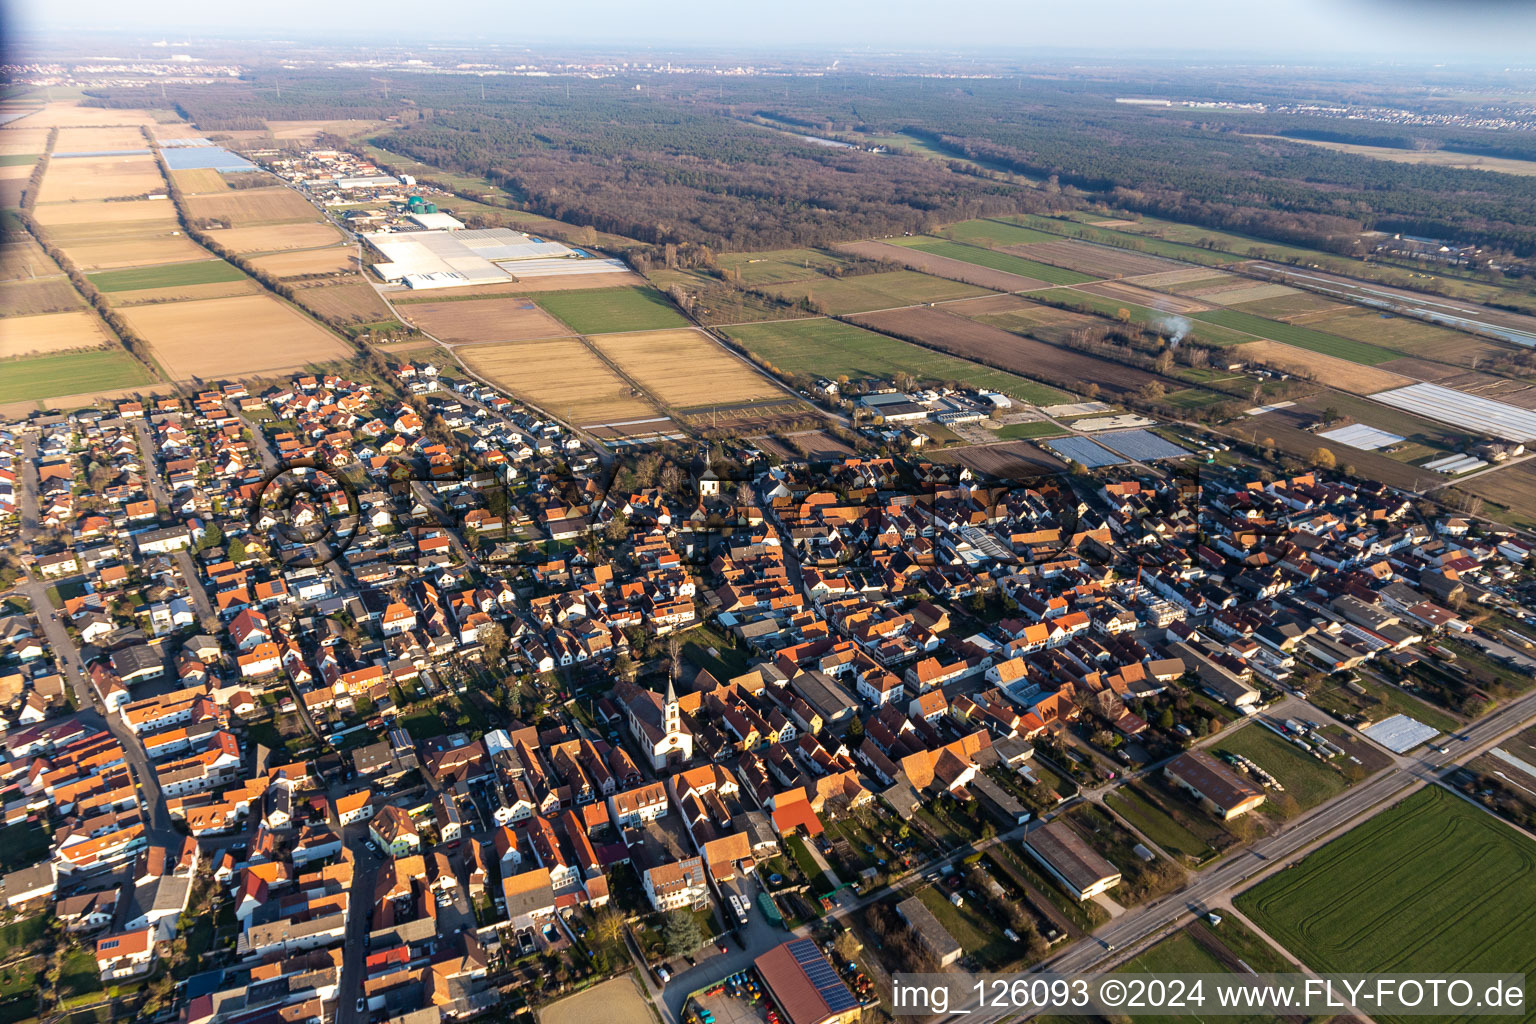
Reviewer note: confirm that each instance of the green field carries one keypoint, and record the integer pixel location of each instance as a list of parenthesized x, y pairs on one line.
[(1209, 333), (779, 265), (1300, 337), (995, 232), (72, 373), (18, 159), (1029, 431), (1124, 240), (994, 260), (1432, 885), (831, 348), (166, 275), (1180, 953), (875, 291), (22, 932), (609, 310), (1307, 781)]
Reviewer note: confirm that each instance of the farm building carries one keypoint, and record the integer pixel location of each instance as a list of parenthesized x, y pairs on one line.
[(1071, 861), (930, 930), (804, 986), (1219, 789)]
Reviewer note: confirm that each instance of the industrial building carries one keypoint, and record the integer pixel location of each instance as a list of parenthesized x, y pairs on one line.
[(1219, 789), (930, 931), (804, 986), (449, 258), (1071, 861)]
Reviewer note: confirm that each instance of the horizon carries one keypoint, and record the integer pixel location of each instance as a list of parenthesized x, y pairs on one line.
[(1312, 33)]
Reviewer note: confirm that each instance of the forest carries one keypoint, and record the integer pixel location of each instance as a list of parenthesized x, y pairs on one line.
[(679, 160)]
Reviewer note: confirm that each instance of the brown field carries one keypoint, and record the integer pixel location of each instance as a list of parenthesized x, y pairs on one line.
[(618, 1001), (1252, 291), (532, 286), (481, 320), (10, 192), (104, 177), (175, 130), (984, 304), (993, 346), (100, 219), (69, 114), (22, 140), (184, 293), (1121, 292), (246, 207), (1300, 308), (344, 303), (276, 238), (1185, 281), (307, 130), (1283, 427), (1514, 487), (1412, 337), (111, 255), (1432, 157), (1098, 260), (17, 172), (231, 337), (817, 444), (200, 179), (22, 259), (685, 368), (1330, 370), (308, 261), (943, 266), (563, 377), (53, 332), (94, 140), (43, 295), (1010, 459)]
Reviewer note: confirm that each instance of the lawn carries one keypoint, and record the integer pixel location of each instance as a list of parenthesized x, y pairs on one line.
[(21, 933), (868, 292), (1157, 824), (166, 275), (1431, 885), (71, 373), (995, 232), (1028, 431), (978, 932), (728, 661), (609, 310), (1307, 781), (831, 348), (1300, 337), (1003, 261)]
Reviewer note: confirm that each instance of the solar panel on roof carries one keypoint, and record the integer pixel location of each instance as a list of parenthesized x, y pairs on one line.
[(822, 975)]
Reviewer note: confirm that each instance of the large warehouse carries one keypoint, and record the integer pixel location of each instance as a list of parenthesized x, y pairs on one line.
[(1218, 788), (1071, 861), (804, 986), (450, 259)]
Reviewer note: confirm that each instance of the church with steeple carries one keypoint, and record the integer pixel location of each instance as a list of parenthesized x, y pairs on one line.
[(656, 723)]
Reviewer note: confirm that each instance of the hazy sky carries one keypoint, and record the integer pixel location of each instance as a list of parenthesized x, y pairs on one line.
[(1448, 29)]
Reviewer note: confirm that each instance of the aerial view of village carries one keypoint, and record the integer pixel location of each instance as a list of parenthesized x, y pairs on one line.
[(718, 533)]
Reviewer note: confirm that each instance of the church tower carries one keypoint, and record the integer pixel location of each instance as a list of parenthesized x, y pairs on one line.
[(671, 716)]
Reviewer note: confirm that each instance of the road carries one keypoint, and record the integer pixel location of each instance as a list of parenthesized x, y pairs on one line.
[(1276, 852)]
